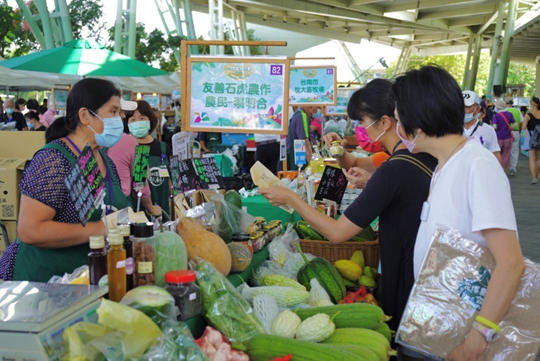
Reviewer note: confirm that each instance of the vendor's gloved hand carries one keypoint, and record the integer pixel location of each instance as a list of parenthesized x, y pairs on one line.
[(277, 196), (332, 137), (357, 176)]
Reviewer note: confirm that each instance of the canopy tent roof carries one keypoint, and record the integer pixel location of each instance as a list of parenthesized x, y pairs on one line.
[(83, 58), (430, 26)]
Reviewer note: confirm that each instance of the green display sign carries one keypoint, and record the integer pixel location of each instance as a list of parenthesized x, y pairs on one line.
[(343, 96), (237, 95), (312, 85)]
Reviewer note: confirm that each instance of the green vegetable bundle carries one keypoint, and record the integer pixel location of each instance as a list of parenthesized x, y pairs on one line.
[(223, 307)]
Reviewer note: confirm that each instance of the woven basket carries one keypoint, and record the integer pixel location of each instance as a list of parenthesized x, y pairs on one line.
[(335, 252)]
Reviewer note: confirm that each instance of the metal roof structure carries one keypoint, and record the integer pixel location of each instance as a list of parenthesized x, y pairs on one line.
[(429, 27)]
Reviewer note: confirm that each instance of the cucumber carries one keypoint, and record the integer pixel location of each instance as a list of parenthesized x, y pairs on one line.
[(362, 337), (384, 330), (363, 353), (325, 273), (267, 347), (352, 315)]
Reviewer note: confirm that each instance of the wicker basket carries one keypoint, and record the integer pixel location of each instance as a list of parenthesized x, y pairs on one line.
[(335, 252)]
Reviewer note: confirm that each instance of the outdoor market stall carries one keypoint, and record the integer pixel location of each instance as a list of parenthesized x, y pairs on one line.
[(230, 277)]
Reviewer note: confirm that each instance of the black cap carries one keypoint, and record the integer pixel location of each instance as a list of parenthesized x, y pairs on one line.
[(143, 230)]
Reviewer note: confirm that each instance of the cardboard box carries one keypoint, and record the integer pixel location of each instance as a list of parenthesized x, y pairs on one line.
[(20, 144), (11, 227), (10, 195)]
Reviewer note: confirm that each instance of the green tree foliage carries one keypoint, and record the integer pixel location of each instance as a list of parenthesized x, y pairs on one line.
[(16, 38), (455, 65), (85, 18)]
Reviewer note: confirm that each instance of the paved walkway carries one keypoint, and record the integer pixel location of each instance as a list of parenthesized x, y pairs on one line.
[(526, 199)]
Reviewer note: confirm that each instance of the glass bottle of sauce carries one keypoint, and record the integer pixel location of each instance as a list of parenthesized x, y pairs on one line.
[(116, 265), (181, 285), (97, 259), (128, 246)]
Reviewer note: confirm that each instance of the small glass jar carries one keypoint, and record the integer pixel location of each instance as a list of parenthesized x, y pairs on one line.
[(278, 227), (242, 238), (181, 285), (256, 241), (260, 221), (336, 149)]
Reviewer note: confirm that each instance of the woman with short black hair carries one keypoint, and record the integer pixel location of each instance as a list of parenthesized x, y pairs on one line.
[(140, 123), (430, 110), (394, 193)]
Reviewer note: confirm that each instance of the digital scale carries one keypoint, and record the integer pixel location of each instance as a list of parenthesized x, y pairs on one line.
[(33, 317)]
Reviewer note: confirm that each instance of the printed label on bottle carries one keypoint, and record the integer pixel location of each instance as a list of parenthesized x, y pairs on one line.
[(129, 266), (144, 267), (192, 296), (121, 264)]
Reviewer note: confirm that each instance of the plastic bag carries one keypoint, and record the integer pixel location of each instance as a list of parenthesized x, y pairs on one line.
[(121, 333), (230, 219), (449, 292), (216, 347), (79, 277), (163, 308), (282, 247), (177, 343), (331, 126), (223, 307)]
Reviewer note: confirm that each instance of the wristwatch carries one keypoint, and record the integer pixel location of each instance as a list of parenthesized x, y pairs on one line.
[(489, 333)]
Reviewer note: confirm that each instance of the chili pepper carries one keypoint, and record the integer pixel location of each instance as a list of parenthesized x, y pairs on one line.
[(284, 358)]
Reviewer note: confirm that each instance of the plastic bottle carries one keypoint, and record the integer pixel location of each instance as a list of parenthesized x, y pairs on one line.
[(116, 265), (128, 246), (97, 259)]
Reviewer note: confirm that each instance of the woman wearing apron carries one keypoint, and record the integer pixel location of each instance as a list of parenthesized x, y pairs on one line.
[(141, 122), (52, 239)]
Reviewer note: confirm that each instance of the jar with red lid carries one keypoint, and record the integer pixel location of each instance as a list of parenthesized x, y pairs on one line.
[(181, 285)]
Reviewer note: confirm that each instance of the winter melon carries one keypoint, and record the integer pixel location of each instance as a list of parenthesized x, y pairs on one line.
[(241, 257), (171, 255)]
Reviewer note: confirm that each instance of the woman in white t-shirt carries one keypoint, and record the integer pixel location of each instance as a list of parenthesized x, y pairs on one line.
[(430, 121)]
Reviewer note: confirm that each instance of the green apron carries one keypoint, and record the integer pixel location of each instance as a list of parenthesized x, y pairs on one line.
[(40, 264), (159, 185)]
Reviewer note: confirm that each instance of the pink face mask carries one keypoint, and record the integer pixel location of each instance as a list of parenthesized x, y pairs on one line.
[(410, 145), (366, 143)]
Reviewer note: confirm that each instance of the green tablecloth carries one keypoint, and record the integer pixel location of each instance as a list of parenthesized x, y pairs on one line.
[(197, 324), (258, 206)]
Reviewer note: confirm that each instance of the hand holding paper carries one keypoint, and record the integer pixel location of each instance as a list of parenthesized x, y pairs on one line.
[(264, 178)]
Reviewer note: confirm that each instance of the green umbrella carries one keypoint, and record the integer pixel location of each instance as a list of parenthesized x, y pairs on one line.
[(83, 58)]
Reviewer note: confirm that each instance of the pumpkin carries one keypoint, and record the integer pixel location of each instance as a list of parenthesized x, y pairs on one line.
[(241, 257), (171, 255), (206, 245)]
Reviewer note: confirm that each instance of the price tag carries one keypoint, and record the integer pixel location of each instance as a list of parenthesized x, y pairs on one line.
[(332, 186)]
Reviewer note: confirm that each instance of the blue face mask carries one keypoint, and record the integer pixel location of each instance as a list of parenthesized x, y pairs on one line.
[(113, 128), (29, 125), (318, 114), (470, 117), (139, 129), (9, 110)]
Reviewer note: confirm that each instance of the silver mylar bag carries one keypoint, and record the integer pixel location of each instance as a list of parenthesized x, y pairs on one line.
[(448, 295)]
